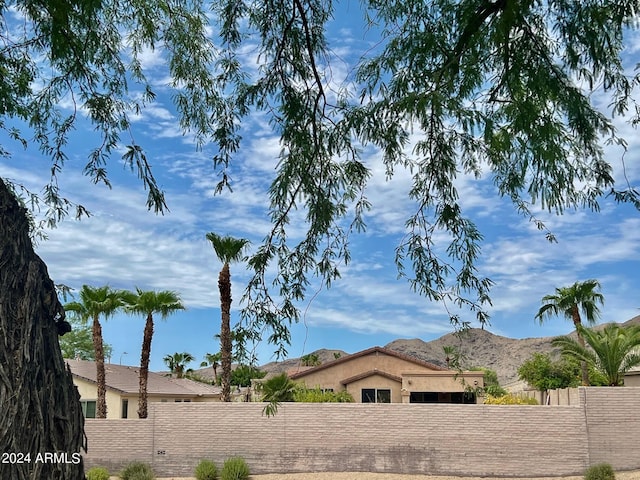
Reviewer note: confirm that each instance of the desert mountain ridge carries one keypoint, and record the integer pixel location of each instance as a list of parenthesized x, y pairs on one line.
[(479, 348)]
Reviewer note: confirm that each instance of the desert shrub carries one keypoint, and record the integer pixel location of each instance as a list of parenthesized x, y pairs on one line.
[(137, 471), (234, 468), (206, 470), (509, 399), (317, 395), (97, 473), (601, 471)]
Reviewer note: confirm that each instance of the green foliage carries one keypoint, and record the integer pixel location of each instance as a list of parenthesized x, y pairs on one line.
[(276, 390), (78, 343), (137, 471), (509, 399), (310, 360), (491, 384), (234, 468), (243, 375), (601, 471), (177, 363), (569, 301), (613, 350), (97, 473), (542, 373), (317, 395), (523, 93), (206, 470)]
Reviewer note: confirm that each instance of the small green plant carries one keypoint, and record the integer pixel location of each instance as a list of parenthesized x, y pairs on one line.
[(509, 399), (601, 471), (234, 468), (206, 470), (137, 471), (97, 473)]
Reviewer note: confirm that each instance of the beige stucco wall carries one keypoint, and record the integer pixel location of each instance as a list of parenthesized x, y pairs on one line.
[(378, 382), (441, 381), (89, 391), (632, 380)]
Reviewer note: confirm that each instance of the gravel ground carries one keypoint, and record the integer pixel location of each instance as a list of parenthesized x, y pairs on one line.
[(631, 475)]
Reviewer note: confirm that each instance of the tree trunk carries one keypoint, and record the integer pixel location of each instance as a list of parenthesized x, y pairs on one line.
[(144, 366), (583, 365), (226, 346), (101, 379), (41, 411)]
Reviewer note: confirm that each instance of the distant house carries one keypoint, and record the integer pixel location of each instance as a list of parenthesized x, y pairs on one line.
[(380, 375), (632, 378), (122, 389)]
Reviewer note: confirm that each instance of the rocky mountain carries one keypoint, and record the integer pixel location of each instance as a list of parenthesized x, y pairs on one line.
[(479, 348)]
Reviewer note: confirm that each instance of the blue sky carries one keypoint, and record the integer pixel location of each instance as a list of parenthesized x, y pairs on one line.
[(125, 246)]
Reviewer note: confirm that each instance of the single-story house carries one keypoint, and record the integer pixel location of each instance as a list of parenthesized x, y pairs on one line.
[(380, 375), (122, 389)]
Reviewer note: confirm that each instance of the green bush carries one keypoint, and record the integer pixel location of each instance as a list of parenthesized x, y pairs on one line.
[(509, 399), (316, 395), (206, 470), (97, 473), (234, 468), (137, 471), (601, 471)]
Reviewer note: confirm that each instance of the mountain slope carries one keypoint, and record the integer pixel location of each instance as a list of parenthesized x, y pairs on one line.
[(480, 348)]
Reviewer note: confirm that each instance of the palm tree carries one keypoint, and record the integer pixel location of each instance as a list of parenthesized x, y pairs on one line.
[(147, 303), (276, 390), (614, 350), (95, 302), (569, 302), (213, 360), (177, 363), (228, 250)]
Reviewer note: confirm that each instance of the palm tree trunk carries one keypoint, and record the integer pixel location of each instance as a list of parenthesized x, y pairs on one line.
[(224, 285), (101, 379), (41, 409), (584, 369), (144, 366)]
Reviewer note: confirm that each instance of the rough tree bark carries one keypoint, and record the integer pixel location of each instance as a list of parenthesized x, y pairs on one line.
[(41, 415), (226, 345), (144, 367)]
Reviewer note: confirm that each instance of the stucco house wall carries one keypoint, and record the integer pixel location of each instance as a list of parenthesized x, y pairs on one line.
[(632, 379)]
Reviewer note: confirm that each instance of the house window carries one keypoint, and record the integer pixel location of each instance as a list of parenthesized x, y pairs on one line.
[(423, 397), (88, 408), (372, 395), (187, 400), (125, 408)]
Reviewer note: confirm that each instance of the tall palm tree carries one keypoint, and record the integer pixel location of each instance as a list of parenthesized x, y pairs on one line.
[(177, 363), (95, 302), (614, 350), (228, 250), (212, 360), (569, 302), (147, 303)]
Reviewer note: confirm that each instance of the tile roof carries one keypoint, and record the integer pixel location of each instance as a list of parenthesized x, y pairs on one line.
[(366, 352), (124, 379)]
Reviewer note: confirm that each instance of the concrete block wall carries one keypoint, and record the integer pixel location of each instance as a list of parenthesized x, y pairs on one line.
[(432, 439), (613, 423)]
